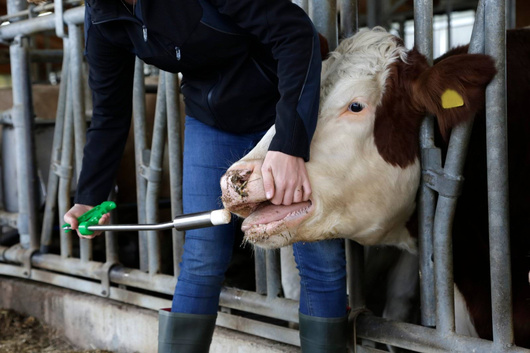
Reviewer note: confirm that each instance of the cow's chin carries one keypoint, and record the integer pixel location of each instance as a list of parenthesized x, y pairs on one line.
[(271, 226)]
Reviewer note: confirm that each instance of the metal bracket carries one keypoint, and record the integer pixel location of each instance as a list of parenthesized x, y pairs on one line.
[(105, 278), (434, 176), (26, 261), (352, 322), (151, 174), (59, 19), (61, 172)]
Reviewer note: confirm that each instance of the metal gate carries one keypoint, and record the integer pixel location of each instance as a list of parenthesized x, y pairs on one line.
[(74, 266)]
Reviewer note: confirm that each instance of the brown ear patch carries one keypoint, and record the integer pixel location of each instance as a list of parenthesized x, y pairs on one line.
[(397, 119), (465, 74)]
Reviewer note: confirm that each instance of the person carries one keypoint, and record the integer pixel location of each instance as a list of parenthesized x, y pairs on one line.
[(246, 65)]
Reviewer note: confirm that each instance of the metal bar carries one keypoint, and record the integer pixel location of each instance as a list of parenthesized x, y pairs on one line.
[(153, 175), (182, 222), (175, 163), (34, 10), (497, 162), (58, 14), (258, 328), (65, 176), (40, 24), (511, 12), (23, 124), (324, 15), (260, 268), (349, 15), (423, 12), (274, 279), (76, 75), (53, 177), (76, 89), (443, 264), (140, 145), (445, 210), (423, 339), (356, 285)]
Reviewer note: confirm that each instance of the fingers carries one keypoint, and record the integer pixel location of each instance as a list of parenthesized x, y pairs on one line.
[(77, 211), (268, 181), (287, 177)]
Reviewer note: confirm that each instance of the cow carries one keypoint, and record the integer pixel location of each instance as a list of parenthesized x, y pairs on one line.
[(365, 170)]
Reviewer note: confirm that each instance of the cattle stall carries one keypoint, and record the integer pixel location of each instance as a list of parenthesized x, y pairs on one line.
[(42, 252)]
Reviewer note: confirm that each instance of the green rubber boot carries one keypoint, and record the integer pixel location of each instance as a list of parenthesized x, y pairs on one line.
[(184, 333), (323, 335)]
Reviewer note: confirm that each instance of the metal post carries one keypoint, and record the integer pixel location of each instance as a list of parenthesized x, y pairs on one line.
[(260, 265), (324, 15), (349, 18), (53, 176), (153, 175), (76, 75), (65, 176), (140, 145), (23, 124), (274, 282), (497, 162), (423, 12), (175, 163)]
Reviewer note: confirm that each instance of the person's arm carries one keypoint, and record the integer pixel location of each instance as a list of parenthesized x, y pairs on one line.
[(288, 31), (111, 71)]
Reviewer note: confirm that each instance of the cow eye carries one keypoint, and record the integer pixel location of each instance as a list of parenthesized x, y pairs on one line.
[(356, 107)]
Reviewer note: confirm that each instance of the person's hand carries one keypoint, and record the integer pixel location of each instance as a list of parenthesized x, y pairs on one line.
[(76, 211), (285, 178)]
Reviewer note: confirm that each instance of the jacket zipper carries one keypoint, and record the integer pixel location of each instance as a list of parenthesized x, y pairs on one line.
[(178, 54)]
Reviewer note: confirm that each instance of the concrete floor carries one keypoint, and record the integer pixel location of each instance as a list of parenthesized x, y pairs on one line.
[(96, 323)]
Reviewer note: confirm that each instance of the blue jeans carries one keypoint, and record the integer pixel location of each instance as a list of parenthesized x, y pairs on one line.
[(208, 152)]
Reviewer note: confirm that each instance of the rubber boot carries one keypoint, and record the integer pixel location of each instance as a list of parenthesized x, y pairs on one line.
[(184, 333), (323, 335)]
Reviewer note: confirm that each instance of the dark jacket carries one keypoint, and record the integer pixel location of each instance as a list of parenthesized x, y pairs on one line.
[(246, 64)]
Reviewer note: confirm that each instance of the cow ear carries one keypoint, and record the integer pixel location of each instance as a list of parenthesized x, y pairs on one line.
[(453, 89)]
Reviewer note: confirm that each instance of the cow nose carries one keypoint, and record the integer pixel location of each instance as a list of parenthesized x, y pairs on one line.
[(237, 180)]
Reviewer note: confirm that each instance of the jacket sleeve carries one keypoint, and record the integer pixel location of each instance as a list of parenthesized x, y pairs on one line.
[(111, 71), (288, 31)]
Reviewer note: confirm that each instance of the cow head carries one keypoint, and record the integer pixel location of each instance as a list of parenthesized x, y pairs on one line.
[(364, 166)]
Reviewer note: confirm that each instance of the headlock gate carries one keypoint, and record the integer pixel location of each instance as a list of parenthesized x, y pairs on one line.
[(150, 284)]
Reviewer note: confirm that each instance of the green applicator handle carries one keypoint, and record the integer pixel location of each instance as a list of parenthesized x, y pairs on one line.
[(91, 218)]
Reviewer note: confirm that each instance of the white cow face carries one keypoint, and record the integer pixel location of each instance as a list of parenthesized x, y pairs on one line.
[(364, 167)]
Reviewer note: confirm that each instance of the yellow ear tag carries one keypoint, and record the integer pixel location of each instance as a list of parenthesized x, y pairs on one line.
[(451, 99)]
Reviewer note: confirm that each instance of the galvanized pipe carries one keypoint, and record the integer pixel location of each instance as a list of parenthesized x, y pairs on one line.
[(153, 174), (175, 162), (445, 210), (76, 87), (78, 104), (23, 124), (423, 339), (274, 280), (65, 176), (323, 13), (349, 18), (497, 162), (140, 145), (260, 269), (53, 176), (423, 12), (40, 24)]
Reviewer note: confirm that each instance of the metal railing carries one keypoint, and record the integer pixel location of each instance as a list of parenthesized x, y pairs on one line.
[(147, 286)]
